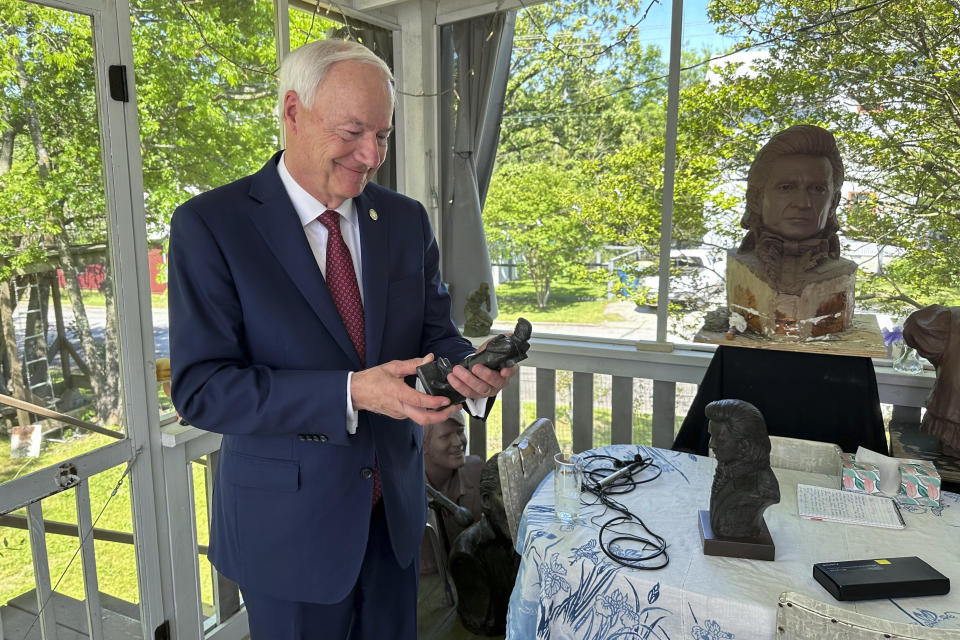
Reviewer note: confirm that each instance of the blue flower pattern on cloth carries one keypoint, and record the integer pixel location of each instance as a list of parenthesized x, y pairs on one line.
[(930, 619), (710, 631)]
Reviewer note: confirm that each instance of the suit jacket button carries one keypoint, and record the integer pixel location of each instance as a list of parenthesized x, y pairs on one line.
[(302, 436), (323, 437), (366, 473)]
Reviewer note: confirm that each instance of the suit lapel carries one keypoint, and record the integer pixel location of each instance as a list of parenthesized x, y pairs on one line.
[(374, 247), (278, 223)]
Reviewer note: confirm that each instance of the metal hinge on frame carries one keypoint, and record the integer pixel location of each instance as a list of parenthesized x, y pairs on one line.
[(118, 83), (163, 631)]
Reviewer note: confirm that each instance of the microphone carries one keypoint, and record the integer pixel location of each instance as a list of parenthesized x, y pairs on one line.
[(461, 515)]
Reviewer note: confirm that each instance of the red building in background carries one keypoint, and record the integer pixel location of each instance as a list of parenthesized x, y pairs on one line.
[(93, 275)]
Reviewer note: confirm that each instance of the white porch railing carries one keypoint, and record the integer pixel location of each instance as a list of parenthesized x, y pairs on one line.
[(183, 446), (624, 360)]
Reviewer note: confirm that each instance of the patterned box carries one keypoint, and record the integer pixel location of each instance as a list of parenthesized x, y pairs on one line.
[(919, 480), (920, 483), (858, 476)]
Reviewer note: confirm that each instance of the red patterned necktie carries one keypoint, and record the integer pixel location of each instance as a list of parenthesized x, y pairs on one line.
[(342, 283)]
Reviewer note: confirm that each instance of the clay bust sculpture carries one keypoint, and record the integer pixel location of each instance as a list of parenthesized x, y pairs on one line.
[(483, 562), (502, 351), (477, 322), (934, 332), (744, 485), (452, 473), (787, 277)]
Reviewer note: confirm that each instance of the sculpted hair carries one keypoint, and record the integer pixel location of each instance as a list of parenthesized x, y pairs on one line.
[(801, 139), (742, 420), (305, 68)]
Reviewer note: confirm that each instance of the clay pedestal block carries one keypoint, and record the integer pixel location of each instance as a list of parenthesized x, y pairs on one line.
[(805, 304)]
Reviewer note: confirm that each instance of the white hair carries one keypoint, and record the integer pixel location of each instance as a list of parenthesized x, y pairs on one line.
[(305, 68)]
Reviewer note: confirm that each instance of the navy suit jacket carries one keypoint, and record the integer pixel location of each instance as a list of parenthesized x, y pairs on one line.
[(259, 354)]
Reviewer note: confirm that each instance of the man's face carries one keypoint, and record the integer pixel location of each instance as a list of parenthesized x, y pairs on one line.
[(336, 146), (447, 445), (726, 447), (797, 196)]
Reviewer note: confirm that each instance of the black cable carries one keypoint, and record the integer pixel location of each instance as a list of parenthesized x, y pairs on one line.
[(643, 547)]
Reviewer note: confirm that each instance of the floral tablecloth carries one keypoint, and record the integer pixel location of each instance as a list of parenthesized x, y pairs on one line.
[(567, 588)]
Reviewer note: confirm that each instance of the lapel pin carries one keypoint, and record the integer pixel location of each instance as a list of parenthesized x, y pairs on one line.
[(373, 214)]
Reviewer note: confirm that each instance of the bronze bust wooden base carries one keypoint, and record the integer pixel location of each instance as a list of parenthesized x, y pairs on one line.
[(759, 547)]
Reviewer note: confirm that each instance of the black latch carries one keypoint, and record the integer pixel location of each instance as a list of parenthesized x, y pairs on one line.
[(163, 631), (118, 83)]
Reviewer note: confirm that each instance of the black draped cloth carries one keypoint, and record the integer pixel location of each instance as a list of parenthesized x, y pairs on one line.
[(830, 398)]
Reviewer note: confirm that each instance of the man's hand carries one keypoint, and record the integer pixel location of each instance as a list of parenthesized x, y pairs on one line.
[(481, 382), (381, 389)]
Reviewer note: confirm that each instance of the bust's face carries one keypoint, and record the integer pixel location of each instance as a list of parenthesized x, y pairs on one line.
[(725, 445), (797, 196), (448, 445)]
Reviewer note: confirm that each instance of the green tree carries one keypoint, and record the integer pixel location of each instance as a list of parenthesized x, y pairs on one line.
[(206, 93), (584, 93), (536, 211)]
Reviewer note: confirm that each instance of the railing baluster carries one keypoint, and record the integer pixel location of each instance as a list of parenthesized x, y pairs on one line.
[(547, 394), (478, 437), (664, 412), (183, 542), (226, 593), (621, 419), (582, 411), (510, 397), (41, 571), (91, 588)]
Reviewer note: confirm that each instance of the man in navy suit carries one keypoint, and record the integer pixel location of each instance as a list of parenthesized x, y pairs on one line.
[(309, 391)]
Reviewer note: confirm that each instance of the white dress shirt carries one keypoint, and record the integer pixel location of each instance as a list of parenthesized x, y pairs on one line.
[(309, 209)]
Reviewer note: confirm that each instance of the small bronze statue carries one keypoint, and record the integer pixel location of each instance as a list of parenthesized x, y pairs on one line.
[(744, 484), (500, 352), (476, 321), (934, 332), (483, 562)]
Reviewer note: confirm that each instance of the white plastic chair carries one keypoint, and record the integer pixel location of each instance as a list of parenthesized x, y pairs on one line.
[(802, 618), (523, 465)]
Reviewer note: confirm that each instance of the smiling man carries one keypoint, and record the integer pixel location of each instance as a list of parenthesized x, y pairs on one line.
[(787, 277), (301, 297)]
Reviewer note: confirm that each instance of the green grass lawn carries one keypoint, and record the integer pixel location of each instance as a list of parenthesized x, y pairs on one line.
[(576, 302), (116, 562)]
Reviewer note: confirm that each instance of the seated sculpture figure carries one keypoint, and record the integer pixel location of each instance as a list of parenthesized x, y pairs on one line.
[(787, 278), (744, 485), (452, 473), (483, 562), (476, 321), (501, 351), (934, 332)]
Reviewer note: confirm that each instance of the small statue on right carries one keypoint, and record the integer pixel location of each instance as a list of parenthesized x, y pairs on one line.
[(787, 278), (934, 332)]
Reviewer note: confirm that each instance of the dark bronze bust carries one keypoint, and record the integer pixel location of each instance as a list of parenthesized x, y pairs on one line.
[(483, 563), (501, 352), (744, 485)]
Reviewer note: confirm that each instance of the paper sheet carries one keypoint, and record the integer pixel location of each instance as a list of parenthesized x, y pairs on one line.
[(821, 503)]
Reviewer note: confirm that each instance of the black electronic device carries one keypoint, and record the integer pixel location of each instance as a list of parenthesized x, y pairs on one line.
[(880, 578)]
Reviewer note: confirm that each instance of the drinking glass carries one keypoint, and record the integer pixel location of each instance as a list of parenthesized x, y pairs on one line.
[(567, 480)]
